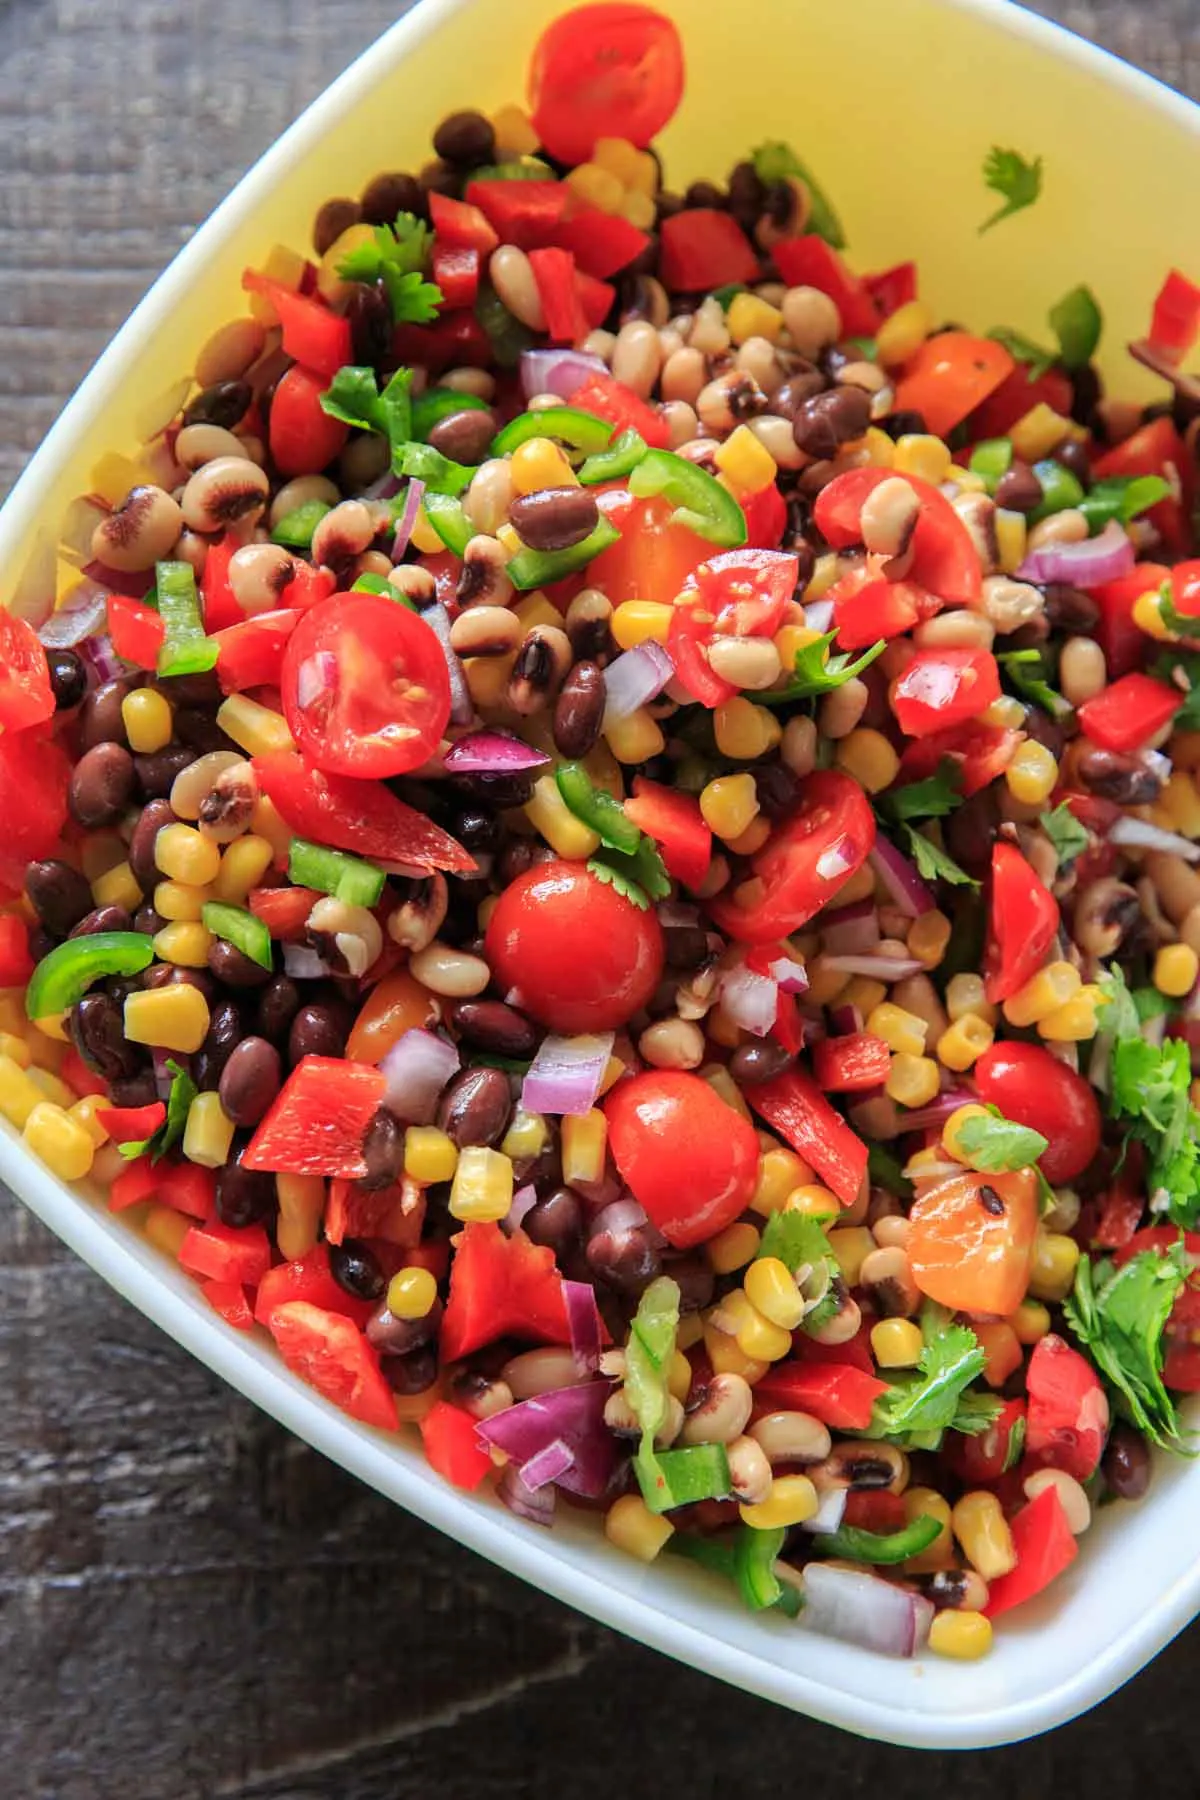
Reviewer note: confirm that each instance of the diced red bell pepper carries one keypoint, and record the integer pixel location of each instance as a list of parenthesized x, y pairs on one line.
[(501, 1287), (794, 1106), (868, 607), (1123, 642), (130, 1124), (892, 288), (308, 1278), (34, 776), (982, 1459), (811, 262), (304, 438), (1158, 449), (595, 298), (1067, 1420), (137, 1183), (353, 1211), (674, 820), (601, 243), (839, 1394), (187, 1187), (527, 213), (136, 630), (554, 274), (766, 517), (316, 1124), (456, 340), (456, 272), (950, 375), (283, 910), (607, 398), (225, 1253), (788, 1026), (942, 688), (26, 697), (1175, 322), (316, 337), (228, 1299), (1023, 920), (459, 226), (329, 1352), (1045, 1546), (16, 962), (702, 249), (1017, 395), (453, 1448), (363, 817), (79, 1078), (249, 655), (982, 752), (851, 1064), (221, 610), (1128, 714)]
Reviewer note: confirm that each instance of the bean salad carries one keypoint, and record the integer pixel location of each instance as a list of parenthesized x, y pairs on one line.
[(603, 842)]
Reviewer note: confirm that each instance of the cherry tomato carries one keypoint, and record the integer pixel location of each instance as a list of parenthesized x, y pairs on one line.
[(685, 1155), (303, 437), (25, 693), (1067, 1421), (365, 686), (1022, 924), (746, 589), (652, 559), (1033, 1088), (945, 561), (581, 956), (809, 856), (971, 1240), (613, 70), (939, 688), (34, 773)]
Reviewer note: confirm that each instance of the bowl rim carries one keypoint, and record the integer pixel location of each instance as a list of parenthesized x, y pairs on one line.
[(129, 1264)]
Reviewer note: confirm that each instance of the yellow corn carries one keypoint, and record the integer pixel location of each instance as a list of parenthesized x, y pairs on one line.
[(549, 814), (1031, 1322), (429, 1155), (779, 1171), (757, 1337), (60, 1141), (1032, 775), (1147, 616), (789, 640), (1175, 970), (896, 1343), (632, 1527), (728, 804), (301, 1207), (526, 1135), (266, 822), (963, 1636), (791, 1501), (639, 209), (1181, 804), (878, 447), (814, 1201), (254, 728), (865, 994), (184, 855), (952, 1128), (901, 336), (679, 1375), (722, 1083), (598, 187), (964, 1043), (982, 1530), (424, 538), (928, 937), (641, 621), (901, 1031), (483, 1185), (690, 1332), (243, 866), (330, 284), (540, 463), (732, 1248), (752, 839), (208, 1134), (1074, 1022), (173, 1018), (1042, 994), (1055, 1260), (750, 316), (185, 943), (744, 460), (965, 997), (118, 887), (84, 1113), (146, 716), (851, 1245), (584, 1143), (927, 1503), (1039, 430), (18, 1093), (919, 453), (167, 1229), (744, 731), (866, 755), (912, 1080), (15, 1048), (635, 738), (411, 1293), (771, 1288), (514, 133), (51, 1087), (177, 900), (646, 176), (728, 1358)]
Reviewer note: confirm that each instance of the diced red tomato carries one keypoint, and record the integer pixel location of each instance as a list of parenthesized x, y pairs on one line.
[(1122, 641), (308, 1278), (942, 688), (455, 340), (16, 963), (221, 1253), (459, 226), (1067, 1420), (304, 438), (1017, 395), (690, 630), (601, 243), (839, 1394), (851, 1064), (1160, 1239), (684, 1154), (363, 817), (453, 1448), (1045, 1546), (811, 262), (136, 630), (868, 607), (607, 398), (1022, 923), (793, 1105), (526, 213), (1031, 1087), (704, 249), (283, 910), (316, 337), (316, 1124), (674, 820), (980, 1460), (1129, 713), (34, 774), (187, 1187), (228, 1300), (554, 275), (250, 655), (331, 1354), (746, 591), (945, 561), (1120, 1210), (221, 610), (1176, 319), (810, 855), (766, 517), (26, 697), (982, 752), (1158, 449), (892, 288), (595, 298), (1185, 589), (950, 375), (133, 1185), (501, 1287), (607, 70)]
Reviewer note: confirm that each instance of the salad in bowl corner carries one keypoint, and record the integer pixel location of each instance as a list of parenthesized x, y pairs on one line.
[(603, 843)]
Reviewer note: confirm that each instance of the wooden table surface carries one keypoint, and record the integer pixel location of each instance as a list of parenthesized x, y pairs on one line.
[(192, 1604)]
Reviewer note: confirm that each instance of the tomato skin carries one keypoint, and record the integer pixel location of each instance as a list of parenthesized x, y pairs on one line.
[(945, 561), (951, 374), (452, 1448), (833, 818), (609, 70), (748, 590), (1067, 1421), (26, 697), (1022, 924), (686, 1156), (941, 688), (651, 560), (967, 1251), (982, 752), (868, 607), (250, 654), (582, 956), (303, 437), (1033, 1088), (1016, 396), (841, 1395)]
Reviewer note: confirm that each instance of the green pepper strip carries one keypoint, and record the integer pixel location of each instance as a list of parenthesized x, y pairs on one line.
[(186, 649), (597, 809), (356, 882), (566, 424), (873, 1547), (748, 1562), (379, 584), (681, 1477), (295, 529), (451, 523), (1060, 489), (701, 503), (429, 408), (538, 568), (1121, 497), (68, 971), (241, 929), (620, 459), (992, 459)]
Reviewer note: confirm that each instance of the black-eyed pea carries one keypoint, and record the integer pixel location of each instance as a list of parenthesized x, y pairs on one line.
[(228, 807), (749, 1470), (729, 400), (228, 491), (191, 548), (203, 443), (192, 785), (416, 922), (344, 533), (978, 514), (637, 354), (258, 574), (707, 330), (745, 662), (511, 274), (722, 1413), (1010, 604), (684, 375), (470, 381), (889, 517), (301, 492), (756, 358), (842, 710), (622, 1421), (485, 631), (349, 937), (775, 434), (672, 1044), (488, 498), (534, 1372), (139, 532), (811, 319), (588, 625), (483, 580), (792, 1437), (681, 422)]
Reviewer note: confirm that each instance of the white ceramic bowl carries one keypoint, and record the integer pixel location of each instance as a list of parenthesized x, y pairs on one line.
[(982, 72)]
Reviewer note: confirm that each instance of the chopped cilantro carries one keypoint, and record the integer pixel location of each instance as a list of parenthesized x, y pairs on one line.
[(932, 798), (1181, 670), (353, 396), (814, 675), (1023, 350), (1026, 670), (933, 1398), (616, 878), (994, 1143), (1019, 182), (1069, 837), (1120, 1315), (776, 161), (933, 863), (396, 255), (1149, 1092)]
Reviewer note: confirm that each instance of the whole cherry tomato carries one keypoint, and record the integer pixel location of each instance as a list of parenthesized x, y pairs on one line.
[(579, 954), (685, 1155), (809, 856), (1022, 924), (1033, 1088), (304, 437), (612, 70)]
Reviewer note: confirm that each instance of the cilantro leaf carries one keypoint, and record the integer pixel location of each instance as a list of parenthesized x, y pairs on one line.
[(933, 863), (813, 675), (426, 464), (1023, 349), (776, 161), (179, 1100), (1120, 1316), (1069, 837), (1184, 625), (1077, 322), (976, 1411), (414, 300), (353, 397), (929, 799), (1181, 670), (1122, 1020), (1007, 173), (604, 871), (795, 1239), (1149, 1090), (1026, 669), (929, 1400), (396, 255), (994, 1144)]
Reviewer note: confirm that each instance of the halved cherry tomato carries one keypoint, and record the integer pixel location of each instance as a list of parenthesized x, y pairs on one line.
[(284, 911), (745, 590), (1045, 1546), (690, 630), (674, 820), (331, 1354), (941, 688), (365, 686), (34, 773), (26, 697), (250, 655), (1067, 1421), (810, 855), (982, 752), (1128, 714), (610, 70), (971, 1239), (581, 956), (363, 817), (393, 1006), (452, 1446), (868, 607), (684, 1154), (304, 438), (1033, 1088), (945, 561), (982, 1459), (1022, 923), (950, 375)]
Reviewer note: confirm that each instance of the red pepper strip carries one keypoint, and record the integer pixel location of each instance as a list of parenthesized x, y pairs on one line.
[(851, 1064), (703, 249), (794, 1106), (892, 288), (452, 1446), (16, 962), (1022, 924), (554, 274), (1045, 1546), (249, 655), (223, 1253), (459, 226), (527, 213), (1122, 641), (308, 1278), (674, 820), (788, 1029), (601, 243), (228, 1299), (363, 817), (811, 262), (456, 272), (130, 1124), (312, 334), (329, 1352), (838, 1394), (501, 1287), (26, 697), (316, 1124), (1129, 713), (283, 910), (136, 630), (595, 298), (607, 398), (221, 610), (1175, 322)]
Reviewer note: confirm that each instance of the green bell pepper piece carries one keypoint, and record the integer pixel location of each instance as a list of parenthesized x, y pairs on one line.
[(875, 1547), (538, 568), (68, 971), (445, 513), (240, 928), (438, 403), (356, 882), (1121, 497), (565, 424), (754, 1556), (1060, 489), (671, 1478), (701, 503), (597, 809), (620, 459), (186, 648), (1077, 323), (992, 459), (295, 529)]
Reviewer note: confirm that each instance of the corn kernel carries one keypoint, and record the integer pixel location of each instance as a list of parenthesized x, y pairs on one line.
[(411, 1293), (266, 822), (965, 995), (423, 537), (728, 804), (879, 448), (732, 1248), (166, 1229), (1042, 994), (549, 814), (177, 900), (171, 1018), (1175, 970), (632, 1527), (912, 1080), (540, 463), (679, 1375), (430, 1156), (243, 866), (779, 1172), (751, 316), (287, 268), (146, 716), (728, 1358), (1181, 803), (865, 994), (897, 1343), (514, 133), (118, 887), (901, 1031), (60, 1141), (51, 1087), (635, 738), (982, 1530), (301, 1208), (814, 1201), (758, 1338), (791, 1501), (1147, 616), (18, 1093), (851, 1245), (1031, 1322), (584, 1143), (618, 156), (208, 1134), (928, 938), (919, 453), (527, 1132), (184, 943), (483, 1185), (15, 1048), (1055, 1260), (646, 176), (744, 731), (964, 1043), (690, 1332), (771, 1288), (952, 1129), (789, 640), (745, 461), (752, 839), (961, 1635), (926, 1503), (1011, 535), (641, 621), (597, 186), (254, 728), (866, 755), (85, 1112), (1073, 1023), (184, 855), (1032, 775), (1041, 430), (900, 336)]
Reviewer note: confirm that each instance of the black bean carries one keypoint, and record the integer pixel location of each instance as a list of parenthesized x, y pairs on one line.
[(154, 815), (243, 1196), (465, 137), (823, 424), (905, 423), (101, 785), (1018, 489), (383, 1150), (476, 1107), (624, 1260), (411, 1374), (250, 1080), (60, 895), (499, 791), (334, 217), (579, 710), (477, 830), (68, 678), (234, 967), (1087, 391), (491, 1025), (356, 1270), (686, 948), (438, 177), (395, 1337), (519, 857), (198, 729), (706, 195), (102, 918), (100, 722), (1114, 776), (971, 831), (226, 404), (466, 436), (752, 1063), (695, 1279), (666, 205), (370, 314), (278, 1004), (119, 987), (746, 193), (556, 1221), (386, 195), (776, 789), (98, 1031), (225, 1031), (1069, 608), (41, 943), (156, 771), (202, 689), (1072, 454), (138, 1089), (1126, 1463), (802, 385), (319, 1029)]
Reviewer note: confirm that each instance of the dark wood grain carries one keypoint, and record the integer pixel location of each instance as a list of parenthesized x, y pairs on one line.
[(192, 1604)]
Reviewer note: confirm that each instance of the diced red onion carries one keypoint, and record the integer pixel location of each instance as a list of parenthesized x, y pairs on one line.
[(851, 930), (536, 1506), (831, 1511), (561, 372), (417, 1068), (845, 1020), (1158, 764), (623, 1215), (576, 1416), (385, 487), (877, 968), (135, 584), (101, 658), (462, 707), (818, 615), (635, 678), (316, 675), (408, 518), (583, 1322), (303, 963), (1086, 565), (1138, 834), (523, 1201), (789, 975), (839, 859), (909, 893), (547, 1466), (863, 1610), (83, 618), (750, 1000), (492, 753), (565, 1075), (925, 1118)]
